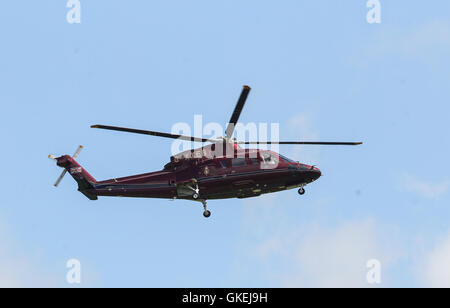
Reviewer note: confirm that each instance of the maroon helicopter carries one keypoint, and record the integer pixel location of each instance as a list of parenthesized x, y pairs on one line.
[(221, 169)]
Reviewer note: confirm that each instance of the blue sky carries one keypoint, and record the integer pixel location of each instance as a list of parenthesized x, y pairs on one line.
[(316, 67)]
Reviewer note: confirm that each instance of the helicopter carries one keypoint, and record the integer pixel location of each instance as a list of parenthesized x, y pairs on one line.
[(220, 169)]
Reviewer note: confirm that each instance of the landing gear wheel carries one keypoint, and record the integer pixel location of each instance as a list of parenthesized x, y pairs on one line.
[(195, 196), (301, 190), (206, 213)]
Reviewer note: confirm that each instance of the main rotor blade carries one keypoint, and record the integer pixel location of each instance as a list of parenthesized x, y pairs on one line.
[(152, 133), (237, 112), (300, 142)]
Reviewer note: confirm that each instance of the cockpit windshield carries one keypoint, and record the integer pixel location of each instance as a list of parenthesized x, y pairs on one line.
[(288, 160)]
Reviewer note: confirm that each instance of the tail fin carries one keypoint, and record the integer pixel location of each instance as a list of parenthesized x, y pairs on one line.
[(82, 177)]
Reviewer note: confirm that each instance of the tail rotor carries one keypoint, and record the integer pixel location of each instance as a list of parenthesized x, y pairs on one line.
[(63, 173)]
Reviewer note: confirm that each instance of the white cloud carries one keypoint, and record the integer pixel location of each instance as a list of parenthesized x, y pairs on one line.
[(413, 42), (301, 123), (312, 255), (429, 190), (437, 265), (20, 268), (18, 273), (335, 257)]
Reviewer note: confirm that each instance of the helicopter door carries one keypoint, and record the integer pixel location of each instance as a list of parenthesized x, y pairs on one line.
[(206, 170), (223, 166)]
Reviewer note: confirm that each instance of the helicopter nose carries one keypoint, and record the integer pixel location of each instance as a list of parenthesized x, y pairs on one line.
[(311, 173), (316, 173)]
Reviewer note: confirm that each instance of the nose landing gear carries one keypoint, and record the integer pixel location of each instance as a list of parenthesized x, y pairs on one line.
[(301, 191)]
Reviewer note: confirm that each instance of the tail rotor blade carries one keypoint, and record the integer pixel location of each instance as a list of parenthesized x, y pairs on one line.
[(60, 178), (77, 152)]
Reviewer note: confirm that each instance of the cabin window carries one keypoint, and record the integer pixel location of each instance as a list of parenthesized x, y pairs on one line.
[(237, 162), (223, 163), (254, 161)]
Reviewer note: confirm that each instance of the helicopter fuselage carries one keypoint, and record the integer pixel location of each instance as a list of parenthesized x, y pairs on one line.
[(249, 175)]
